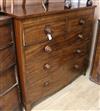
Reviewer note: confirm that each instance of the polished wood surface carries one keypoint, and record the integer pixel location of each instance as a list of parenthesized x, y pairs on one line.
[(8, 70), (36, 9), (53, 48), (6, 27), (95, 75)]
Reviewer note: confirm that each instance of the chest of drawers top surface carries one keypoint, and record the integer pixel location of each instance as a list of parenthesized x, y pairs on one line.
[(35, 10)]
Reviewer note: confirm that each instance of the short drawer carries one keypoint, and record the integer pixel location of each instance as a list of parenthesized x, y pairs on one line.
[(38, 33), (76, 50), (81, 35), (80, 65), (79, 22), (6, 35), (7, 58), (8, 104)]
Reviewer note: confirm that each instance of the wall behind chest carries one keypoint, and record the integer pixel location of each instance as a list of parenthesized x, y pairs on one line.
[(97, 12), (8, 2)]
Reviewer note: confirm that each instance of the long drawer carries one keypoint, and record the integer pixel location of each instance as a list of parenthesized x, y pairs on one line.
[(48, 56), (57, 80)]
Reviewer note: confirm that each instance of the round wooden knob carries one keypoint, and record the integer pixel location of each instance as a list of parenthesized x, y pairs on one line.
[(76, 66), (46, 83), (82, 22), (47, 66), (78, 51), (48, 49), (80, 36)]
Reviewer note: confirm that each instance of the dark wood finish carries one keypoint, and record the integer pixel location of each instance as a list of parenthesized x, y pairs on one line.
[(95, 75), (7, 58), (52, 48), (8, 70), (6, 34)]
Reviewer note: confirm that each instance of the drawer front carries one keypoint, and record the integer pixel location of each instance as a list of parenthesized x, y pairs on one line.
[(45, 87), (7, 79), (81, 35), (57, 80), (48, 60), (6, 35), (8, 104), (38, 33), (76, 51), (7, 58), (79, 21)]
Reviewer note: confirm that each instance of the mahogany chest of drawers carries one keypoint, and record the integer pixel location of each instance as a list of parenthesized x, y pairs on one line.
[(52, 49), (9, 94), (95, 75)]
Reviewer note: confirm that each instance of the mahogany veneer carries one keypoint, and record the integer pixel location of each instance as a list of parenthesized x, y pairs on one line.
[(9, 91), (48, 65), (52, 47)]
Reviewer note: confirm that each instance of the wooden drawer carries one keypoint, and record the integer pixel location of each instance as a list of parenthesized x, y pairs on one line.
[(37, 33), (80, 66), (57, 80), (45, 87), (6, 33), (7, 79), (76, 51), (7, 58), (79, 21), (46, 63), (81, 35), (8, 104)]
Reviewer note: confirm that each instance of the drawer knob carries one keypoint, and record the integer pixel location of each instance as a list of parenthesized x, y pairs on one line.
[(76, 66), (78, 51), (82, 22), (80, 36), (47, 66), (46, 83), (48, 49), (48, 32)]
